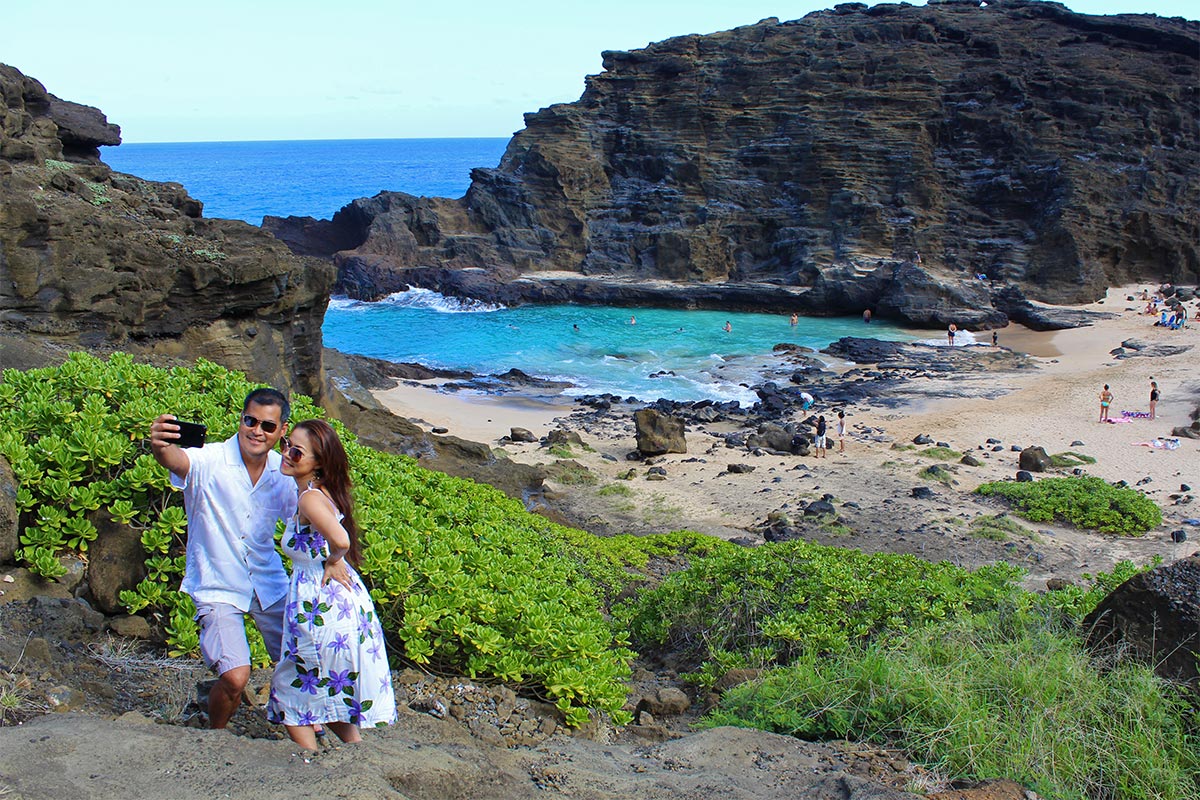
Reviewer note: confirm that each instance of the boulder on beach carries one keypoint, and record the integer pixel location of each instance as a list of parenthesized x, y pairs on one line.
[(1034, 459), (658, 433)]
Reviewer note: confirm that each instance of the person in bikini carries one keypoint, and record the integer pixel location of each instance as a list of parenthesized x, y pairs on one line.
[(1106, 398)]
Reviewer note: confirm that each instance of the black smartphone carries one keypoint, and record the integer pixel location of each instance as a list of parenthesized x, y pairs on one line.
[(191, 434)]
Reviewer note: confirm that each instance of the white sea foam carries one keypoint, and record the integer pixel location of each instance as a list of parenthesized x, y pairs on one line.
[(961, 339), (425, 298)]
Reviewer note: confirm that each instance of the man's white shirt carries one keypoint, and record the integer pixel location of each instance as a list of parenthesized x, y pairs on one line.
[(231, 553)]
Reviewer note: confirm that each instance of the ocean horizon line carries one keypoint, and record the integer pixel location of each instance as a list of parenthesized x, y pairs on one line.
[(324, 141)]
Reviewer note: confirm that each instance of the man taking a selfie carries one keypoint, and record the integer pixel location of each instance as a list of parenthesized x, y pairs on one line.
[(234, 494)]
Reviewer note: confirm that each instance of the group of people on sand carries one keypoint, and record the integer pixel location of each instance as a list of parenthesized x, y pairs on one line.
[(1107, 397), (319, 624), (1172, 313), (821, 436)]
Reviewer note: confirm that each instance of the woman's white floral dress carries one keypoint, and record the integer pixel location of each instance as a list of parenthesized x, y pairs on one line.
[(334, 665)]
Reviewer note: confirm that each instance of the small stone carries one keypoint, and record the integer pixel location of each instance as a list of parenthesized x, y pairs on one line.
[(1024, 476), (441, 430), (970, 460), (1183, 487), (1077, 443), (922, 439), (740, 469), (923, 493)]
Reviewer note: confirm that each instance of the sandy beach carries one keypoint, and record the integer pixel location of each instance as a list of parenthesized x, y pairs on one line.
[(1055, 406)]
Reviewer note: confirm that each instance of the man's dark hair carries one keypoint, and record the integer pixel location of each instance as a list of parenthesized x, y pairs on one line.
[(269, 397)]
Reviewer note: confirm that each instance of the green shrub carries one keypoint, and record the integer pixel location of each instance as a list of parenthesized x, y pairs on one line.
[(464, 578), (1070, 459), (778, 602), (997, 527), (982, 698), (1083, 501), (940, 453)]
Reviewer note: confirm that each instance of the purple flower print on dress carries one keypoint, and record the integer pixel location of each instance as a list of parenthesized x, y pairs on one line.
[(364, 626), (357, 708), (341, 682), (340, 643), (375, 649), (385, 683), (345, 608), (306, 681), (307, 718)]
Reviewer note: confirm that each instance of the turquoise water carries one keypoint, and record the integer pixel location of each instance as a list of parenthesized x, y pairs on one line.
[(606, 354)]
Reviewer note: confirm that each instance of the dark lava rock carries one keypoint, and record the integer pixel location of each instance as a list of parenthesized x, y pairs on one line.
[(1034, 459), (819, 508), (923, 493), (782, 533), (1024, 476), (970, 460), (993, 441), (1157, 615), (740, 469), (1077, 443), (922, 439)]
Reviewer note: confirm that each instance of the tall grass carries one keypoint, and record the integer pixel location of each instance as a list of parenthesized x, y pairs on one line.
[(986, 697)]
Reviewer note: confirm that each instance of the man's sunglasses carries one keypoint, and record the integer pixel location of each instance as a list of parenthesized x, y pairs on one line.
[(268, 426), (291, 452)]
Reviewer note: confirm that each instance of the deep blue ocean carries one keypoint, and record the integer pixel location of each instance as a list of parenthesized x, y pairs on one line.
[(247, 180), (682, 355)]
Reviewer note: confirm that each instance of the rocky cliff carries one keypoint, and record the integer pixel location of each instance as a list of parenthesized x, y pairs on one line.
[(93, 259), (804, 165)]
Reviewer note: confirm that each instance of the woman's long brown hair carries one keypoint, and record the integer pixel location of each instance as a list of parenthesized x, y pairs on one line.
[(334, 474)]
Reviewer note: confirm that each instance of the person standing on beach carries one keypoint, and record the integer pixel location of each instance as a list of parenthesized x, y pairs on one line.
[(841, 431), (1153, 397), (950, 333), (233, 493), (1106, 398), (995, 339), (822, 430), (867, 316)]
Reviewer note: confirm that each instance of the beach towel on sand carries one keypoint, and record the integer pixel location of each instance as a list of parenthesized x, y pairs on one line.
[(1159, 444), (1118, 420)]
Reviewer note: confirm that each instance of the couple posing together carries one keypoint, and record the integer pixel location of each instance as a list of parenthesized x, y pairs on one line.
[(319, 624)]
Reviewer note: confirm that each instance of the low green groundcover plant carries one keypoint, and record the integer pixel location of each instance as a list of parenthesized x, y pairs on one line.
[(983, 698), (778, 602), (1086, 502), (464, 578)]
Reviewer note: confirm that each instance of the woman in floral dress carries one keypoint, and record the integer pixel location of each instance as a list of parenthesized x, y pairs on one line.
[(334, 668)]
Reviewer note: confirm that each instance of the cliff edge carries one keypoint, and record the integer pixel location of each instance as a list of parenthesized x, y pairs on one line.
[(97, 260)]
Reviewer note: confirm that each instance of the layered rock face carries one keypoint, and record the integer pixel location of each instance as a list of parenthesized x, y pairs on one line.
[(94, 259), (804, 165)]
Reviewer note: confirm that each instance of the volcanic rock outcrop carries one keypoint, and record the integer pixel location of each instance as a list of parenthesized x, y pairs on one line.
[(94, 259), (804, 166)]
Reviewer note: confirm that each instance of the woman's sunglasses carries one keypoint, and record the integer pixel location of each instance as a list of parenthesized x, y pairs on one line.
[(268, 426), (291, 452)]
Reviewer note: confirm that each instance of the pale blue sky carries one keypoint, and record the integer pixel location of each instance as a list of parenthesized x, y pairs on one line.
[(226, 70)]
